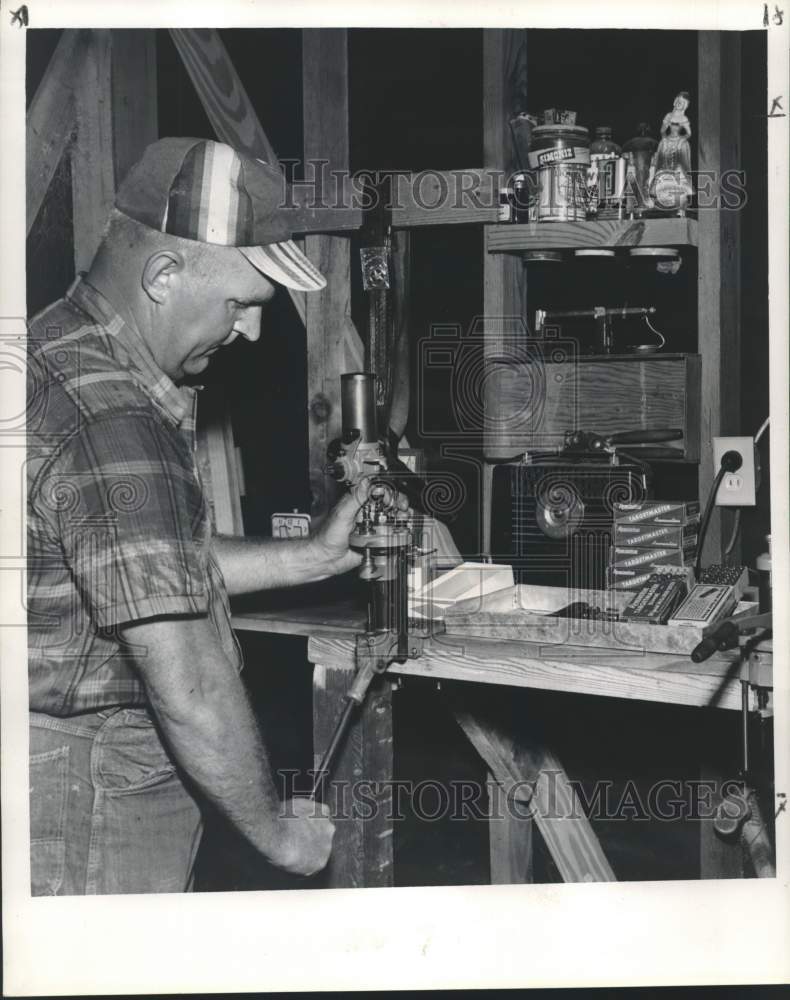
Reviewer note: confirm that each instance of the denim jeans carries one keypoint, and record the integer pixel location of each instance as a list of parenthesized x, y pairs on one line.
[(108, 810)]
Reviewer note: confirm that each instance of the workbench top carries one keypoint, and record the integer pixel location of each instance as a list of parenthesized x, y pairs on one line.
[(659, 677)]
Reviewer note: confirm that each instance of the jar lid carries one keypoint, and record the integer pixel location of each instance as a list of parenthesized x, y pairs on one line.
[(553, 256), (667, 252), (561, 130)]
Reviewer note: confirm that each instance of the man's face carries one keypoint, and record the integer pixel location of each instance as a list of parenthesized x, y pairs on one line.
[(209, 308)]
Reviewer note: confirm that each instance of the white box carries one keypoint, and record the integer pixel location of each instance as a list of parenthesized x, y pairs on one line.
[(465, 581)]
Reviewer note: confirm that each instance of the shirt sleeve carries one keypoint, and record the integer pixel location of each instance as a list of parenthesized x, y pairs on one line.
[(125, 501)]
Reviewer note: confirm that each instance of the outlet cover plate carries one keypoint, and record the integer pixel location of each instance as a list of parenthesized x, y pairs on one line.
[(738, 489)]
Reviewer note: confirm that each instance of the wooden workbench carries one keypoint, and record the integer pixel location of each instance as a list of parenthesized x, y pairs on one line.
[(519, 768)]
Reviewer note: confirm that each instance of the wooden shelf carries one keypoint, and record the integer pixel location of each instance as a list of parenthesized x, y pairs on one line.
[(613, 234)]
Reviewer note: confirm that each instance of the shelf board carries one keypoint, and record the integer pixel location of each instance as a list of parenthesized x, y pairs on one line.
[(614, 234)]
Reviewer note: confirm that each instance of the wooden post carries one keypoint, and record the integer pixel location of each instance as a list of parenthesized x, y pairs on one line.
[(134, 108), (116, 118), (399, 411), (359, 792), (92, 167), (504, 280), (719, 298), (325, 97), (218, 462)]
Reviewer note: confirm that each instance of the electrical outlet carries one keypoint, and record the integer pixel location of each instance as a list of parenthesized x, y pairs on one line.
[(737, 489)]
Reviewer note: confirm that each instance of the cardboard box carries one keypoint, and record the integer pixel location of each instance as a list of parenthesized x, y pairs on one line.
[(651, 535), (627, 579), (640, 559), (657, 512)]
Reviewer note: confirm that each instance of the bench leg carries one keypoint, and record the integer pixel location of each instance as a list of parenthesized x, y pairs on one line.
[(359, 792)]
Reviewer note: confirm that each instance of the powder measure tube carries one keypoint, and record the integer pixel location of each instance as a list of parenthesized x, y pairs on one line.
[(358, 404)]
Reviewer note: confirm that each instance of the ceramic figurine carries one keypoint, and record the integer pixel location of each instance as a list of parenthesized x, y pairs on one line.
[(669, 182)]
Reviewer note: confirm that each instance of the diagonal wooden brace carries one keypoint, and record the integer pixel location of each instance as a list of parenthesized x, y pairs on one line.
[(532, 773)]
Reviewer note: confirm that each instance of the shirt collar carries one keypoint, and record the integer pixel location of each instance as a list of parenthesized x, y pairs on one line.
[(178, 401)]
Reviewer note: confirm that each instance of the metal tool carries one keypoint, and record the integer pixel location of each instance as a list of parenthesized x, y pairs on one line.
[(740, 813), (600, 314), (384, 538), (726, 633)]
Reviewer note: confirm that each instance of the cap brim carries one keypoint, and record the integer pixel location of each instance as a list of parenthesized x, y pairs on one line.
[(286, 264)]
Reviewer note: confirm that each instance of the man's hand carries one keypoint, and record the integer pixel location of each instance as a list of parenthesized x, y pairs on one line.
[(250, 564), (331, 537), (306, 834)]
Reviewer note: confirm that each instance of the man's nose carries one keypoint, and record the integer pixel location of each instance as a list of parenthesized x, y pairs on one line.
[(249, 323)]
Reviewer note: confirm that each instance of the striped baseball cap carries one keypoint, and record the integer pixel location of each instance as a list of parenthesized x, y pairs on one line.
[(203, 190)]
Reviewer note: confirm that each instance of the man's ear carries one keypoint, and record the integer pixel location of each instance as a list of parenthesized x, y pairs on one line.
[(161, 270)]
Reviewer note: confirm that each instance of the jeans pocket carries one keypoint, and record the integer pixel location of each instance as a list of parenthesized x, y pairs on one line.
[(129, 755), (48, 793)]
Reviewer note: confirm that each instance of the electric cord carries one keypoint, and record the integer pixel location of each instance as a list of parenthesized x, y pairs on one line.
[(736, 527), (731, 461), (658, 333), (763, 428)]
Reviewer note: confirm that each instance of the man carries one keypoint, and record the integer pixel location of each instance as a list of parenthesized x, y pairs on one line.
[(138, 713)]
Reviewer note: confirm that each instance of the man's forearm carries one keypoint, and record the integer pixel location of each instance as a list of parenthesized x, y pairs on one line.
[(250, 564), (203, 710)]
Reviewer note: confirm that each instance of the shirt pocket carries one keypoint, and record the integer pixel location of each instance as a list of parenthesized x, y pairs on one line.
[(48, 795), (128, 755)]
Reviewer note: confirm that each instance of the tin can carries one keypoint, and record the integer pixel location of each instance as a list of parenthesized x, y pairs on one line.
[(559, 156)]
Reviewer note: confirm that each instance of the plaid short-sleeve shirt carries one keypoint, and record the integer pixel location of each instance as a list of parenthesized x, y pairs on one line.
[(118, 528)]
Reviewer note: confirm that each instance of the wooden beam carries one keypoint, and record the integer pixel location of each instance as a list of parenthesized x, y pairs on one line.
[(719, 298), (504, 278), (509, 839), (359, 792), (92, 164), (221, 92), (134, 100), (51, 118), (446, 197), (327, 315), (519, 764)]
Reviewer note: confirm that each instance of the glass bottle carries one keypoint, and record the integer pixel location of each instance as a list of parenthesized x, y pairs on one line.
[(603, 156), (639, 152)]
